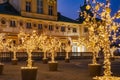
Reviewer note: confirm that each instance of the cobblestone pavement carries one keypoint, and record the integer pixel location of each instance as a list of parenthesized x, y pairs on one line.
[(75, 70)]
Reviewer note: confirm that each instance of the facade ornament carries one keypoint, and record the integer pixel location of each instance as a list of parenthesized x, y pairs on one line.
[(51, 2)]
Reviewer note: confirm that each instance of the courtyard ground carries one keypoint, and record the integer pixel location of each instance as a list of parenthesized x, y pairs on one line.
[(75, 70)]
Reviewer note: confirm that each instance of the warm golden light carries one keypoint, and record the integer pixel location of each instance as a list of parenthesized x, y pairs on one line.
[(100, 32)]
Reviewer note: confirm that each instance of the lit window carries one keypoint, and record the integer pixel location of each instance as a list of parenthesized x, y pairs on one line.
[(28, 25), (74, 30), (40, 6), (50, 10), (39, 26), (12, 23), (63, 29), (51, 27), (28, 6)]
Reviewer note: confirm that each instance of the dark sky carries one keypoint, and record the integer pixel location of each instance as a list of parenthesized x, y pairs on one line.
[(70, 8)]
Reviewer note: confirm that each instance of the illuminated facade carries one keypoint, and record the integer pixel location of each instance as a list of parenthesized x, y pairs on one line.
[(39, 15)]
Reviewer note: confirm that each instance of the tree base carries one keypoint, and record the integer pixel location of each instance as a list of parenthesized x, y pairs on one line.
[(53, 66), (32, 62), (97, 59), (112, 58), (67, 60), (1, 68), (29, 73), (45, 61), (14, 61), (95, 69)]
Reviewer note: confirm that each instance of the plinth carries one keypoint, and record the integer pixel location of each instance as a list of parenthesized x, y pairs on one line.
[(97, 58), (67, 60), (1, 68), (53, 66), (95, 69), (112, 58), (45, 60), (14, 61), (29, 73)]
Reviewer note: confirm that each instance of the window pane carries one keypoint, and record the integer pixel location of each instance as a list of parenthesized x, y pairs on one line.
[(39, 6), (50, 10), (28, 6), (74, 30), (39, 26), (51, 27), (28, 25), (63, 29), (12, 24), (85, 29)]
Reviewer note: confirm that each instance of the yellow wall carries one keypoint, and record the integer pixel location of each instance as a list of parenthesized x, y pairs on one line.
[(34, 14)]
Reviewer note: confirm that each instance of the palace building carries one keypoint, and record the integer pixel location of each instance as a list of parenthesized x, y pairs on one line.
[(39, 15)]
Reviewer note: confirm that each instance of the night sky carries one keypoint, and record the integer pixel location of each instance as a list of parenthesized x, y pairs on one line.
[(70, 8)]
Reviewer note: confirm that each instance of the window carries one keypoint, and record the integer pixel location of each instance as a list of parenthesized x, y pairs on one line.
[(40, 6), (50, 10), (28, 25), (74, 30), (63, 29), (12, 23), (14, 42), (39, 26), (46, 26), (3, 21), (68, 28), (21, 23), (85, 29), (51, 27), (28, 6), (57, 27)]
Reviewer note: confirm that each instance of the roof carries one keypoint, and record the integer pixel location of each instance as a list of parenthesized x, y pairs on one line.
[(65, 19), (6, 8)]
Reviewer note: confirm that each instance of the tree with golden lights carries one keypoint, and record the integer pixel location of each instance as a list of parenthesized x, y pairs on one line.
[(103, 28), (44, 46), (68, 49), (54, 46), (29, 43)]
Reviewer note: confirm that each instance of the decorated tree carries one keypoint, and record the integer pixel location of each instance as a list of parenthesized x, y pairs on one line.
[(29, 43), (14, 48), (54, 47), (44, 46), (102, 23), (68, 49)]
